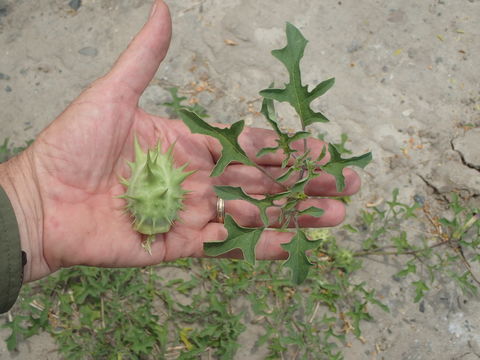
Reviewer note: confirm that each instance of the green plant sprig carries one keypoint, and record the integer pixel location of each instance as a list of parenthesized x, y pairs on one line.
[(443, 248), (303, 167)]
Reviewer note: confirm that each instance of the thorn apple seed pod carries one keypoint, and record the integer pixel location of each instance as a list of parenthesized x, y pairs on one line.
[(154, 193)]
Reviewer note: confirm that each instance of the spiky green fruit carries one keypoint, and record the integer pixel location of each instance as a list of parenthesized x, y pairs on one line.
[(154, 193)]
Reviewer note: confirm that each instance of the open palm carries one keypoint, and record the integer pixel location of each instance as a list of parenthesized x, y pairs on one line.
[(78, 159)]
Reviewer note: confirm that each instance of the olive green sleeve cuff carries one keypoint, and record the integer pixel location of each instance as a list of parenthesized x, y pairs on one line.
[(11, 268)]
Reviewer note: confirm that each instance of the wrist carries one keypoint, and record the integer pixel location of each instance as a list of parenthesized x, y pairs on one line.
[(17, 178)]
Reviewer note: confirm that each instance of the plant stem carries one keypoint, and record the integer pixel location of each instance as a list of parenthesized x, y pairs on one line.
[(380, 251), (270, 176)]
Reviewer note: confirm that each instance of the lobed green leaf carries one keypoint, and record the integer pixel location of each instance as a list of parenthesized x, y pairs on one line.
[(297, 259), (312, 211), (294, 92), (228, 137), (336, 165), (239, 237)]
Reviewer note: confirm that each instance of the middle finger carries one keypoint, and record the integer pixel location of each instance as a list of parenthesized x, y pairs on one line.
[(248, 215)]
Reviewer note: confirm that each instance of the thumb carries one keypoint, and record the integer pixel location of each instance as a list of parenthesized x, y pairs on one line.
[(138, 64)]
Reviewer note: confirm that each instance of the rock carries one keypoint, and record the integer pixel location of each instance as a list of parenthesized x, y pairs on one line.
[(75, 4), (419, 199), (88, 51), (467, 145), (421, 306), (4, 76), (8, 88)]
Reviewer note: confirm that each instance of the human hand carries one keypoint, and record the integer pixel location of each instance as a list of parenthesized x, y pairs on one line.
[(64, 186)]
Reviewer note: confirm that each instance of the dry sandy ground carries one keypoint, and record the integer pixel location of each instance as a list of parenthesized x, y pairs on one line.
[(408, 89)]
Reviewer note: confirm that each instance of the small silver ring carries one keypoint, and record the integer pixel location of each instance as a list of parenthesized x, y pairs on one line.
[(220, 210)]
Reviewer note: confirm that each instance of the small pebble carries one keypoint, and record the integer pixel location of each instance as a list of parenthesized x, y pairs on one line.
[(419, 199), (88, 51), (75, 4), (421, 306), (396, 278)]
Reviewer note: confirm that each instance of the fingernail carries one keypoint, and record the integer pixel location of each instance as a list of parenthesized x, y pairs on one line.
[(154, 7)]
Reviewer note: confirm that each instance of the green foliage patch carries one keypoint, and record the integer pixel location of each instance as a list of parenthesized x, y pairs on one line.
[(195, 308)]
